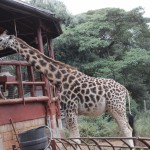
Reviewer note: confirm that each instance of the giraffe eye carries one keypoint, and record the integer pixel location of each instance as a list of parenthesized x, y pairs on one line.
[(0, 40)]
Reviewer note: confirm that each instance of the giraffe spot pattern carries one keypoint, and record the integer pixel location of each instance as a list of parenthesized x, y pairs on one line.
[(27, 57), (50, 76), (87, 99), (33, 63), (84, 85), (80, 98), (52, 68), (58, 75), (77, 89), (65, 78), (43, 63), (63, 71), (38, 67), (23, 46), (92, 97), (87, 91), (31, 52), (66, 86), (71, 78), (34, 57), (93, 90)]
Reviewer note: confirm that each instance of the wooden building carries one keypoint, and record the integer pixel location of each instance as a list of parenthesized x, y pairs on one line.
[(27, 99)]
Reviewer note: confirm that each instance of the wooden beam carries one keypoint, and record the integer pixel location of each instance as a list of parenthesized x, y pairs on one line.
[(21, 112)]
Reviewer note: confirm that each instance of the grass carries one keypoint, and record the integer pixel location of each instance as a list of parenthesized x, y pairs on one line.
[(142, 124), (101, 127)]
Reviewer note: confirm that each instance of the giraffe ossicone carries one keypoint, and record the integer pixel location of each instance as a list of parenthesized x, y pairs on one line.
[(80, 94)]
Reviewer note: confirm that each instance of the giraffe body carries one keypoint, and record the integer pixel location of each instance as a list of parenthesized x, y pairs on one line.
[(79, 94)]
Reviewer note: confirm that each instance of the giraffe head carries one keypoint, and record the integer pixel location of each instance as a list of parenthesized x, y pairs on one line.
[(6, 40)]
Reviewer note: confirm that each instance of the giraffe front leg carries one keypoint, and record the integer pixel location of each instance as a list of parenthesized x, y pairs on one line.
[(72, 125)]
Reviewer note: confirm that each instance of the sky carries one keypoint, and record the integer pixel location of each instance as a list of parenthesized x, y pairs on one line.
[(80, 6)]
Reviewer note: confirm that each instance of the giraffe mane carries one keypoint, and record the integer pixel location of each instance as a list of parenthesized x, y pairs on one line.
[(47, 58)]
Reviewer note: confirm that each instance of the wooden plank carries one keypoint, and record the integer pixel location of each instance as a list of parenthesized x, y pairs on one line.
[(27, 100), (21, 112)]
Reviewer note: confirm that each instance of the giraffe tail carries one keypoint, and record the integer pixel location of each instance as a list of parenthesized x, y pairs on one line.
[(129, 101), (130, 115)]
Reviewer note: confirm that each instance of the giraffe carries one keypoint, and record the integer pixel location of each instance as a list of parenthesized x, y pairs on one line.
[(79, 94)]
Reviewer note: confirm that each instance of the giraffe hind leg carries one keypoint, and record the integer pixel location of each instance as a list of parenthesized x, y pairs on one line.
[(122, 121)]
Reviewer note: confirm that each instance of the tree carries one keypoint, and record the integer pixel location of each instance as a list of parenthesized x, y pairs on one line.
[(110, 43), (55, 6)]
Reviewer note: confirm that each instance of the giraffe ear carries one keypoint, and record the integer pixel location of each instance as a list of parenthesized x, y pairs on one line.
[(4, 33), (11, 37)]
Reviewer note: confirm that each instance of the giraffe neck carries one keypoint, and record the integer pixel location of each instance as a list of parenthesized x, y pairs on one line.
[(55, 71)]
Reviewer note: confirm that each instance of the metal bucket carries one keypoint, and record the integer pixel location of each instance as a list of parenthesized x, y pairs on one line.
[(35, 139)]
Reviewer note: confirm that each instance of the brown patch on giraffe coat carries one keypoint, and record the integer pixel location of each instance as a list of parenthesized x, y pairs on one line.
[(97, 97), (100, 92), (63, 98), (50, 75), (38, 67), (80, 98), (90, 85), (71, 78), (34, 57), (69, 92), (65, 78), (43, 63), (27, 57), (87, 91), (87, 99), (66, 86), (73, 86), (84, 85), (31, 52), (20, 51), (33, 63), (76, 90), (65, 92), (92, 98), (93, 90), (109, 95), (52, 68), (83, 91), (87, 107), (23, 46), (90, 104), (58, 75), (38, 56), (63, 71)]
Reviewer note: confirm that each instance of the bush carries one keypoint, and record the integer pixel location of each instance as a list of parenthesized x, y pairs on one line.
[(97, 126), (106, 127), (142, 124)]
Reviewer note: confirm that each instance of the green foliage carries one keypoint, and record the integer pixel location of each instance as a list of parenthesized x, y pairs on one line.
[(142, 124), (110, 43), (55, 6), (97, 126)]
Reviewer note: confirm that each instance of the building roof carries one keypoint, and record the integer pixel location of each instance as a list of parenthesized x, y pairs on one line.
[(27, 8), (17, 9), (22, 19)]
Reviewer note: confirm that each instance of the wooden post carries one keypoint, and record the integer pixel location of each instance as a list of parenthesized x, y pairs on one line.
[(46, 89), (145, 108)]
